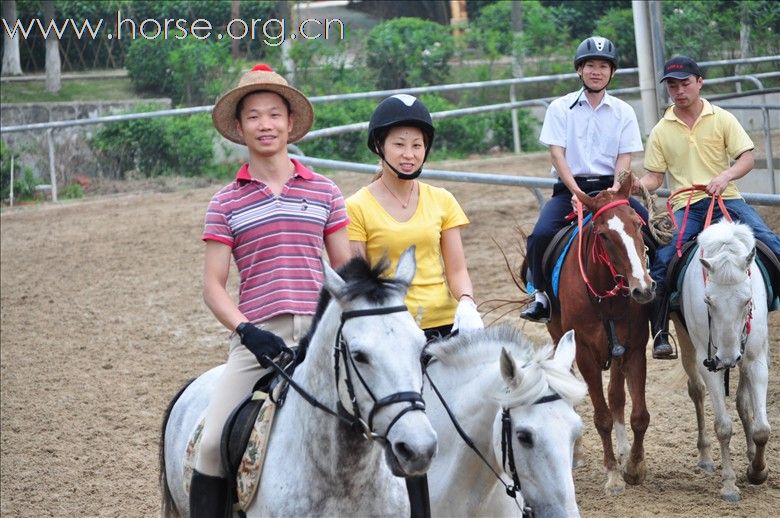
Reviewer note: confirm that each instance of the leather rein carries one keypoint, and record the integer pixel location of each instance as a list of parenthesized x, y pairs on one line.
[(710, 362), (507, 451)]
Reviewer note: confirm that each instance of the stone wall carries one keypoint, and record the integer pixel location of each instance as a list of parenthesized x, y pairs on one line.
[(73, 156)]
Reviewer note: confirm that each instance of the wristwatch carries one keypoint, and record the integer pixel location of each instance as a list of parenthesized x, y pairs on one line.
[(240, 328)]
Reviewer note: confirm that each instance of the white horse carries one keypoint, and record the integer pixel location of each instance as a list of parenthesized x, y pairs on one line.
[(484, 375), (316, 465), (725, 310)]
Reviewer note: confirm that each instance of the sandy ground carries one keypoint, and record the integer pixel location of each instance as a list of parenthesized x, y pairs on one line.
[(102, 321)]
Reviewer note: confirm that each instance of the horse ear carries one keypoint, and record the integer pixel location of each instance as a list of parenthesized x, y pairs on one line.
[(706, 263), (565, 350), (586, 201), (626, 186), (407, 266), (333, 281), (509, 370)]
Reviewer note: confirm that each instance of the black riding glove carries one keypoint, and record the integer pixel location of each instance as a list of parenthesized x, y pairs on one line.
[(263, 344)]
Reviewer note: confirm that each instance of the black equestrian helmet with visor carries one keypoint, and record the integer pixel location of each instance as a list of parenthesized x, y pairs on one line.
[(399, 110)]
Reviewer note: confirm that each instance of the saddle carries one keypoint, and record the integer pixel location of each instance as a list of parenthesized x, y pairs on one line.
[(766, 261), (244, 441)]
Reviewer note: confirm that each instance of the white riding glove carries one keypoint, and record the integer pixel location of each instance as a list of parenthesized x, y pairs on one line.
[(467, 316)]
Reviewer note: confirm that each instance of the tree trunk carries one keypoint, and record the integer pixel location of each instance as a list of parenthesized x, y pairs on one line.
[(235, 13), (12, 65), (744, 39), (53, 73)]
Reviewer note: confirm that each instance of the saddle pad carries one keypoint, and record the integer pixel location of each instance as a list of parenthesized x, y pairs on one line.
[(251, 467)]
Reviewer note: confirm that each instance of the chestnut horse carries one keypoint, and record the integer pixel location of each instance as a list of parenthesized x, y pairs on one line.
[(604, 290)]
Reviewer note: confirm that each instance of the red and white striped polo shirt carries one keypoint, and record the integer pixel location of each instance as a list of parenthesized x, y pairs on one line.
[(277, 241)]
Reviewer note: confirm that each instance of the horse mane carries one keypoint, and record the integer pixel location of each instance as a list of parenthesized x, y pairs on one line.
[(362, 280), (540, 372), (725, 245)]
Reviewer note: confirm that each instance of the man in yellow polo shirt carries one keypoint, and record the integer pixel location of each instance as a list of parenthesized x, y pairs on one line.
[(696, 143)]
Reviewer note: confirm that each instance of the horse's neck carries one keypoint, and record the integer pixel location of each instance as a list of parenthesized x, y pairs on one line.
[(311, 428)]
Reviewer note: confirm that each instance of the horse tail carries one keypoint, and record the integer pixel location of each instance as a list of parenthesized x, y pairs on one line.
[(168, 508)]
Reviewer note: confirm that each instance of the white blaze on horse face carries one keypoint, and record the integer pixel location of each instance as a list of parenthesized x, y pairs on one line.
[(637, 265)]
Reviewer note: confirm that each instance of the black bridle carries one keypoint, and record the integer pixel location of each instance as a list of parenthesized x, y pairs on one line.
[(341, 353), (414, 399), (507, 451)]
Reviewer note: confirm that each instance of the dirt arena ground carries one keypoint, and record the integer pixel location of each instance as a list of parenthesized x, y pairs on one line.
[(102, 322)]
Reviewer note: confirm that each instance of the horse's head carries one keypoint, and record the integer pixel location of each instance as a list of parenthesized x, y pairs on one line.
[(727, 253), (377, 361), (617, 230), (539, 427)]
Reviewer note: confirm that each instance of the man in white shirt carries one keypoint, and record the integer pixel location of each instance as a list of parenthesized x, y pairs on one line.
[(591, 136)]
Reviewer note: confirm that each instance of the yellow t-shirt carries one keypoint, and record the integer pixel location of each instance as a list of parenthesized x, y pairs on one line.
[(437, 210), (699, 154)]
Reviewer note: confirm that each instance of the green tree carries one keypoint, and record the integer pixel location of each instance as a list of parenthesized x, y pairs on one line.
[(618, 26), (408, 52)]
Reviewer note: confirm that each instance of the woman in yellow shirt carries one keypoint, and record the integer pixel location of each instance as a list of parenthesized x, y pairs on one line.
[(396, 211)]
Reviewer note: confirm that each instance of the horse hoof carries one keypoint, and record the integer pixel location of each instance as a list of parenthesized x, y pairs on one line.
[(706, 466), (757, 478), (615, 490), (730, 497), (636, 476)]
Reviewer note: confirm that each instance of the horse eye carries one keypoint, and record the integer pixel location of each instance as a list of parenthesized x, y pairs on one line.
[(360, 357), (708, 301), (525, 438)]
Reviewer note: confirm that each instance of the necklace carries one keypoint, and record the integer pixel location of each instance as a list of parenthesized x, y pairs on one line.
[(408, 198)]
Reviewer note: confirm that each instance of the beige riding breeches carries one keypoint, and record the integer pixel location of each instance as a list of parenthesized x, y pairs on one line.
[(241, 373)]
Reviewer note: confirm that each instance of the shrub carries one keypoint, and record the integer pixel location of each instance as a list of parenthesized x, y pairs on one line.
[(189, 71), (152, 147), (72, 191), (347, 146), (408, 52), (456, 136), (24, 180)]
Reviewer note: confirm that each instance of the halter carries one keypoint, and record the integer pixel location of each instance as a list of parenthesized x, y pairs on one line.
[(353, 420), (599, 253), (507, 450), (506, 439)]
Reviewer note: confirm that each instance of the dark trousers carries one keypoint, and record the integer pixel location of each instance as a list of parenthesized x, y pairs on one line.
[(552, 219)]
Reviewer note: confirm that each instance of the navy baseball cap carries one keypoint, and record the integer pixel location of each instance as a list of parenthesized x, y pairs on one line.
[(680, 67)]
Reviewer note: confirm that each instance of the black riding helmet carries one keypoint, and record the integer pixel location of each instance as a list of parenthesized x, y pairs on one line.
[(399, 110), (596, 47)]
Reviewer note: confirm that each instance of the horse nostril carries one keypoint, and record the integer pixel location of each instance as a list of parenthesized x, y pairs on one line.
[(403, 451)]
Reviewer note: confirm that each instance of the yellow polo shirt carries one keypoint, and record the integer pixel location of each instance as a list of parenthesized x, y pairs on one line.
[(699, 154), (437, 210)]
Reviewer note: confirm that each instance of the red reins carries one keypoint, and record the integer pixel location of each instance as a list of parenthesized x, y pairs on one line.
[(599, 254)]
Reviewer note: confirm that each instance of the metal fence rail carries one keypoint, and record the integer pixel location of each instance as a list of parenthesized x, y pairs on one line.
[(529, 182), (533, 183)]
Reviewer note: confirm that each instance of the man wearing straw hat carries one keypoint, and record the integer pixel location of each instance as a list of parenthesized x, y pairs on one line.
[(274, 219)]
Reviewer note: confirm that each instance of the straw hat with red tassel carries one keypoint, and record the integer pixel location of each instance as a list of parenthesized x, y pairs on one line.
[(262, 78)]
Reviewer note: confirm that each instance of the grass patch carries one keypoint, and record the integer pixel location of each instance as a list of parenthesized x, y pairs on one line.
[(109, 89)]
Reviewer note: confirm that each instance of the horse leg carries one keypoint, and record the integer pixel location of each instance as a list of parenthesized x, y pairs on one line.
[(729, 490), (636, 374), (617, 404), (696, 391), (757, 430), (591, 373)]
